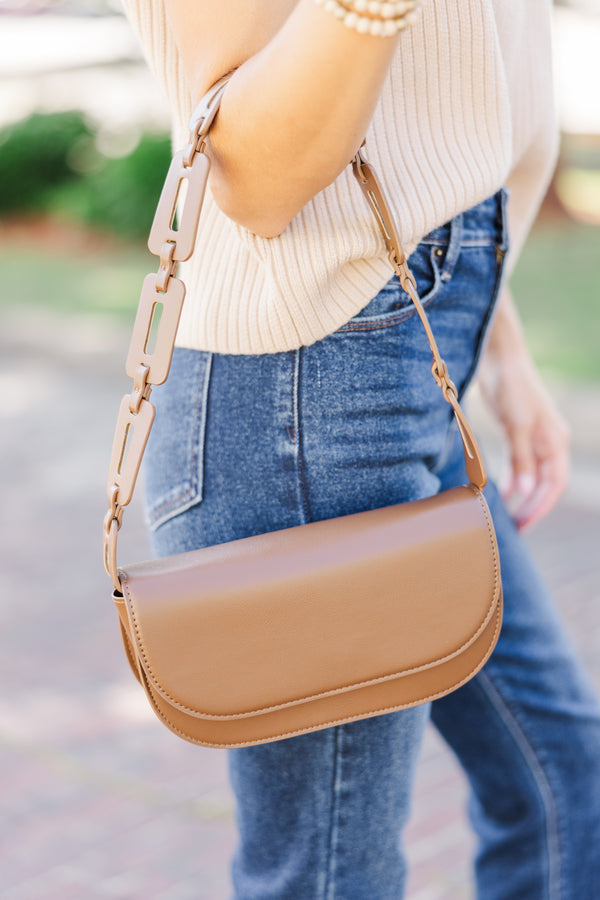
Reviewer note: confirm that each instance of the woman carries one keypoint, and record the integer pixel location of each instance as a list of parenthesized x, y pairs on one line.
[(299, 391)]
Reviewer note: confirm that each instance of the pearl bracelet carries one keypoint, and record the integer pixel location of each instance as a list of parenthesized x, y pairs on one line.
[(382, 18), (382, 9)]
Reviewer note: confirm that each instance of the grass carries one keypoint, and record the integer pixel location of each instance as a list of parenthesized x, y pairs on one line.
[(85, 281), (556, 284), (557, 288)]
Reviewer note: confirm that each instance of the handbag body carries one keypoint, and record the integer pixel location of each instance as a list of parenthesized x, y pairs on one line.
[(300, 629)]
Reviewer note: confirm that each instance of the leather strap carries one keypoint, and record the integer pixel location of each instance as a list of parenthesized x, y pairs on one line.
[(148, 361), (371, 188)]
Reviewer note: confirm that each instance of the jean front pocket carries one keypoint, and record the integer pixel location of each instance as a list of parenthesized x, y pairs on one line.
[(174, 459), (392, 305)]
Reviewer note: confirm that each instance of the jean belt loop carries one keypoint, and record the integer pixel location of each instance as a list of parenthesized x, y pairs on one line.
[(456, 228), (504, 198)]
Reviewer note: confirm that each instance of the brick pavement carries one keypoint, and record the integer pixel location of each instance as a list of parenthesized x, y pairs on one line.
[(98, 799)]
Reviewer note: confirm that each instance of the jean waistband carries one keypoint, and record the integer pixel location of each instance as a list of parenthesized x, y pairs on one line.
[(481, 224)]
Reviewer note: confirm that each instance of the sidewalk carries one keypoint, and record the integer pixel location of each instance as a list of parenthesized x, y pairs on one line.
[(99, 800)]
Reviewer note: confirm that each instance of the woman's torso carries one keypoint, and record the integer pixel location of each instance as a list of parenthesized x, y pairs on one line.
[(466, 107)]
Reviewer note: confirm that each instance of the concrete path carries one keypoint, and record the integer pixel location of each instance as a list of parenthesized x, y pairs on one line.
[(98, 799)]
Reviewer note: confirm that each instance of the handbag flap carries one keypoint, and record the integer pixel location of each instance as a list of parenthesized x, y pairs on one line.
[(256, 624)]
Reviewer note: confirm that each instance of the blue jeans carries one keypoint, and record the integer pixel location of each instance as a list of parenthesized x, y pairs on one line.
[(249, 444)]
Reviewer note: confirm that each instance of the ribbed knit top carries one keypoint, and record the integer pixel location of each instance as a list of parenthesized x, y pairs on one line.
[(467, 107)]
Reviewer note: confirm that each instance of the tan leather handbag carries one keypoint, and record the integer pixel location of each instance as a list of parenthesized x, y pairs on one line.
[(283, 633)]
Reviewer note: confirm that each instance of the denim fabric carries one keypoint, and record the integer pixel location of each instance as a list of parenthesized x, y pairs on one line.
[(248, 444)]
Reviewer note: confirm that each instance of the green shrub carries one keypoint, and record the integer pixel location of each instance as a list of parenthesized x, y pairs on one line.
[(34, 158), (50, 163), (122, 195)]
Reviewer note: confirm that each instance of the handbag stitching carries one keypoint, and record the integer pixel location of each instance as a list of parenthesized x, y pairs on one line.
[(344, 719), (322, 694)]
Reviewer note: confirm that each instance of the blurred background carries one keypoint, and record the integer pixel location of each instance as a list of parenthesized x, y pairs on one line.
[(97, 798)]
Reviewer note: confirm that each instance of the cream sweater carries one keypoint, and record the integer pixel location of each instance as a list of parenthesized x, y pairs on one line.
[(467, 107)]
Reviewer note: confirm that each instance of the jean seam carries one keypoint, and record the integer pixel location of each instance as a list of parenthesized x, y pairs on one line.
[(174, 504), (501, 248), (302, 485), (389, 319), (173, 499), (202, 414), (510, 720), (485, 329), (454, 248), (330, 868)]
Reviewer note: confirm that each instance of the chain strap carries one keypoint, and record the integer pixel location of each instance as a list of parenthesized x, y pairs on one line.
[(157, 317), (161, 301)]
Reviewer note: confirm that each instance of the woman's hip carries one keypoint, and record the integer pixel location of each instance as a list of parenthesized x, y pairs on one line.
[(249, 444)]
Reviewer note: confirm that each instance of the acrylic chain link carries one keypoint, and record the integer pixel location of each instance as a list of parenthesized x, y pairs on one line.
[(157, 317)]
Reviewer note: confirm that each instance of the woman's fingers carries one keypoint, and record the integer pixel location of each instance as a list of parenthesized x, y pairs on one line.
[(522, 459), (540, 464), (537, 434)]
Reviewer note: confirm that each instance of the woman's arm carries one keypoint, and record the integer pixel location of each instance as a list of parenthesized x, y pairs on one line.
[(537, 434), (296, 109)]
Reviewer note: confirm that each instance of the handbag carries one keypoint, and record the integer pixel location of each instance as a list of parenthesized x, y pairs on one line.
[(300, 629)]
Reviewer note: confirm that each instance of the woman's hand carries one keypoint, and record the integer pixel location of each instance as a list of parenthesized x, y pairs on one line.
[(537, 434)]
